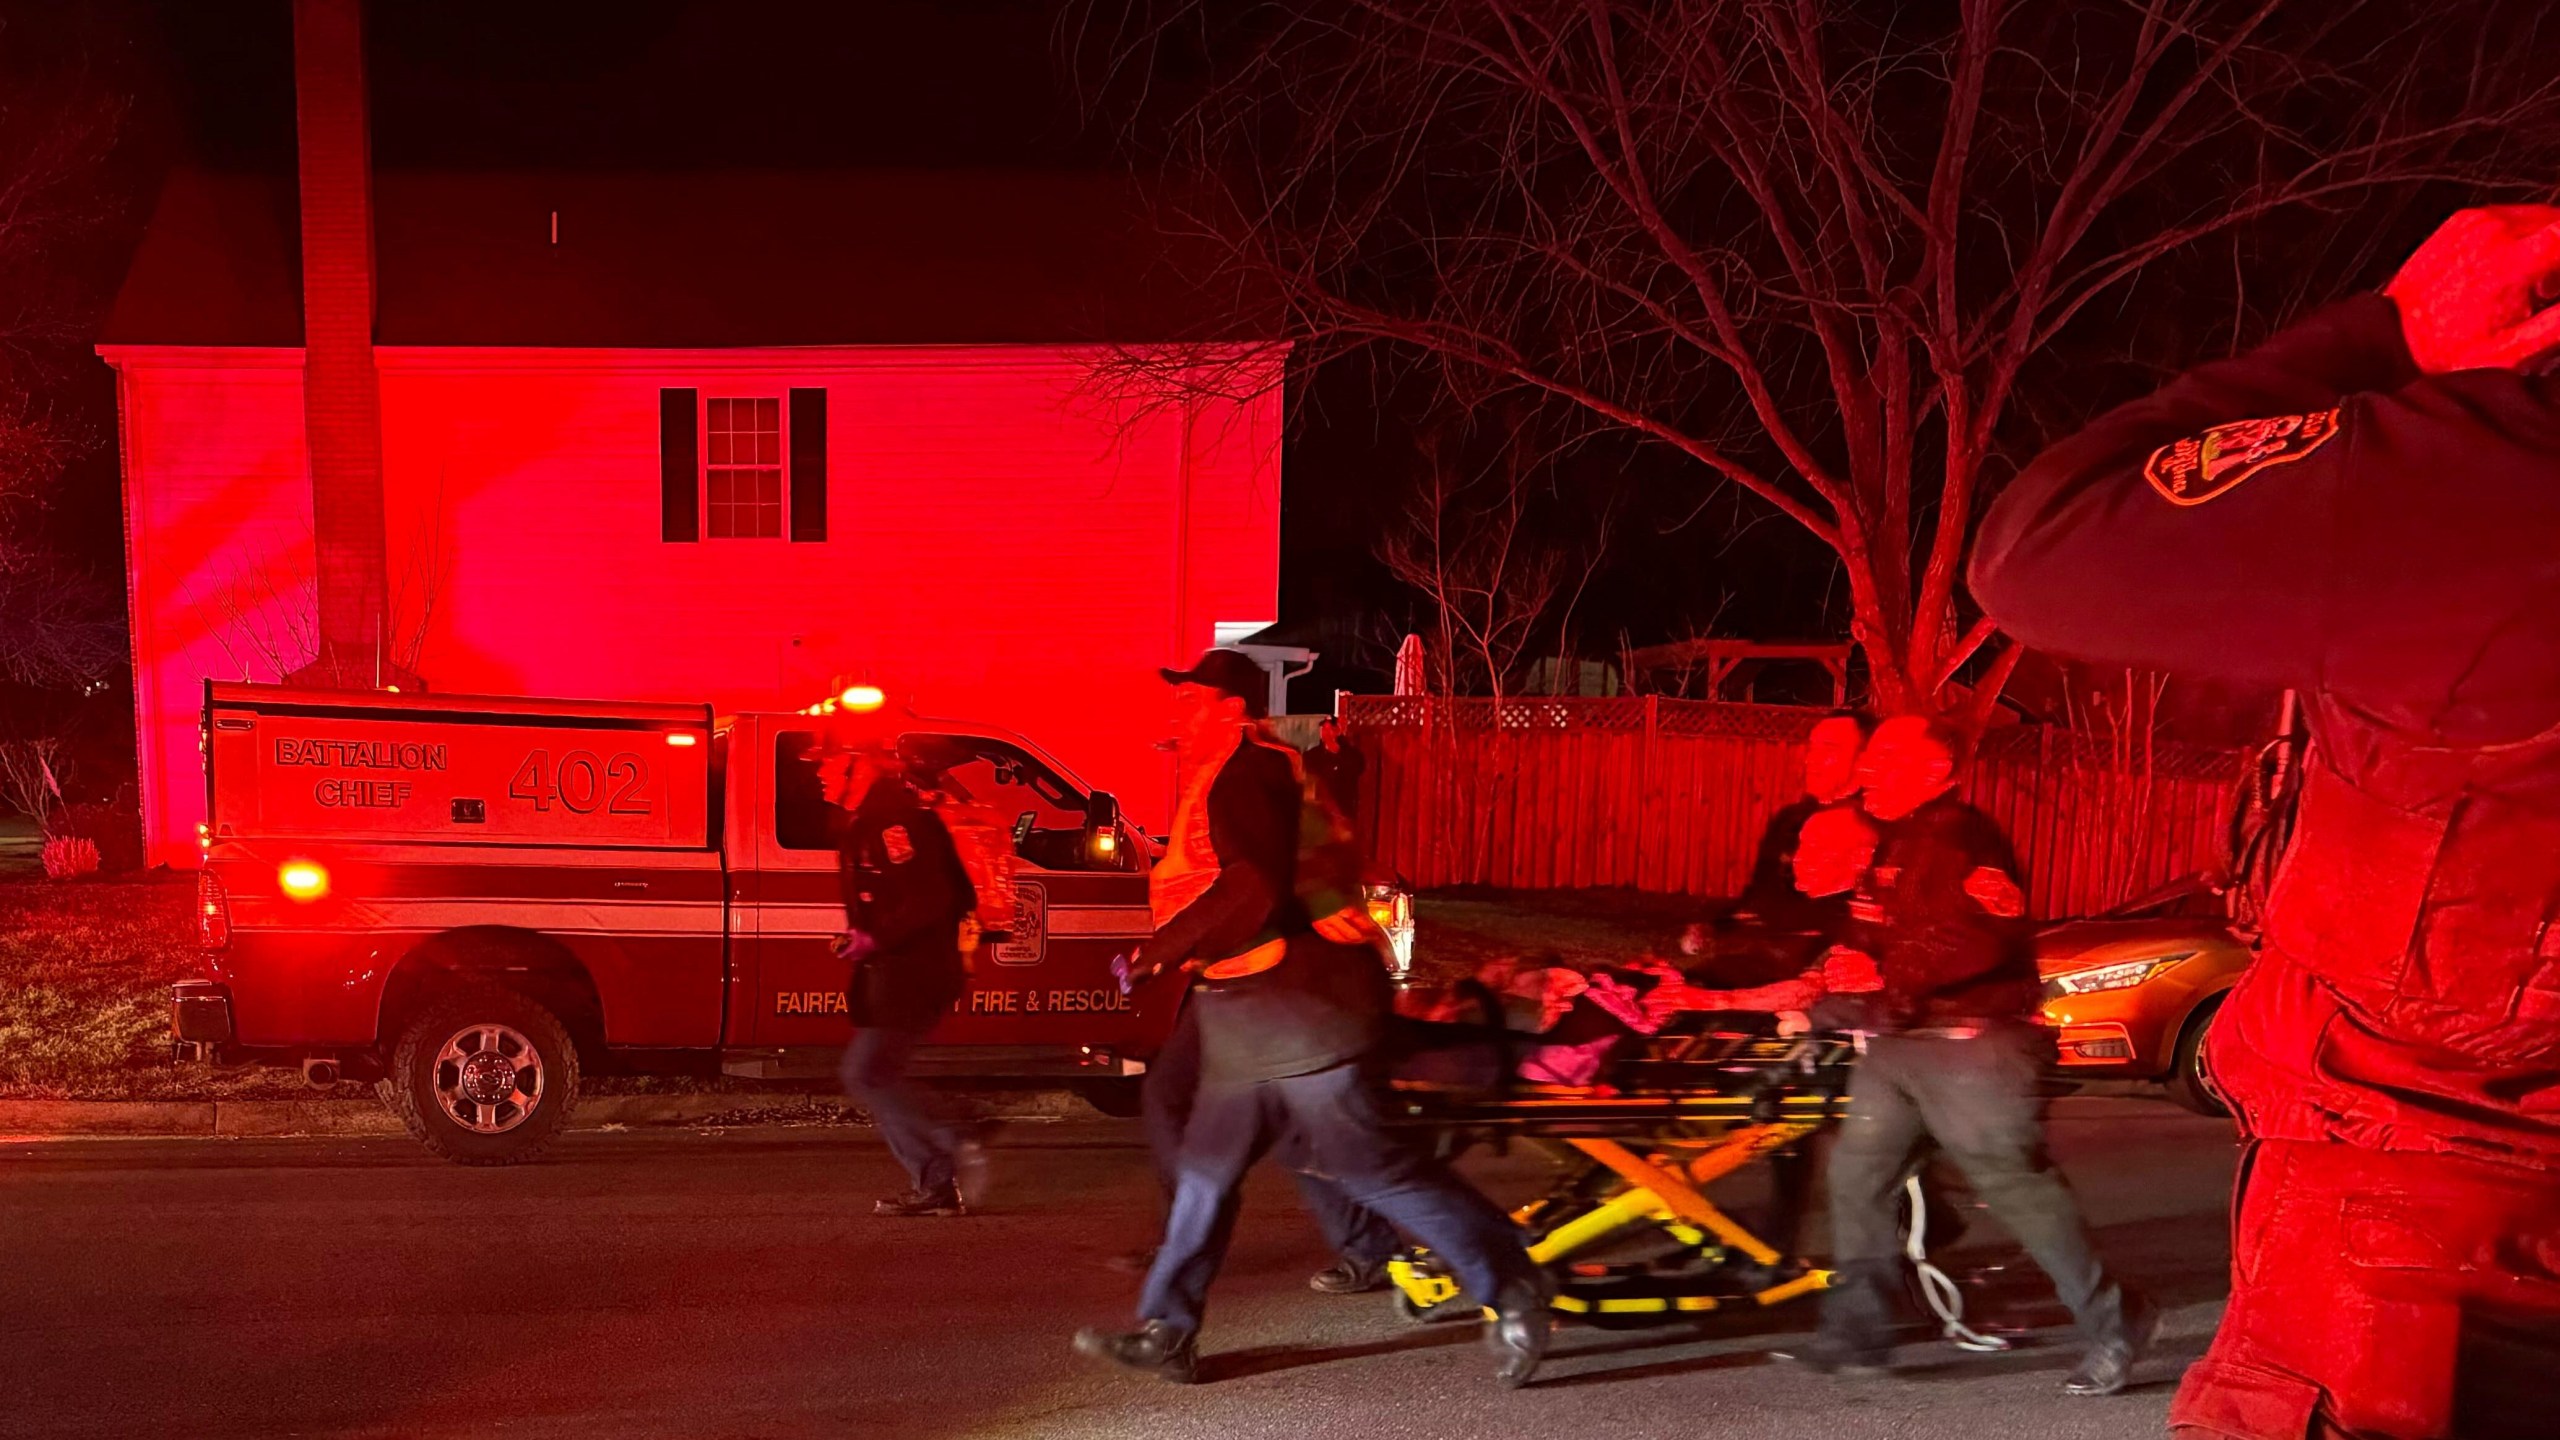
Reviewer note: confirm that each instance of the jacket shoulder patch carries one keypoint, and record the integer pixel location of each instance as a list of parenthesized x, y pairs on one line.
[(2207, 466), (899, 846)]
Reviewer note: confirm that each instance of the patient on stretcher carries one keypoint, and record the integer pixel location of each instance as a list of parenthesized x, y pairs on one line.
[(1556, 1024)]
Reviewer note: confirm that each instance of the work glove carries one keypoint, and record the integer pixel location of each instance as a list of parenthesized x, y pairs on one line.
[(2473, 296), (855, 946)]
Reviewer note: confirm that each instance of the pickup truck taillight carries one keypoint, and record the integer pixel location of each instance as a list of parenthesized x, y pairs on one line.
[(213, 912)]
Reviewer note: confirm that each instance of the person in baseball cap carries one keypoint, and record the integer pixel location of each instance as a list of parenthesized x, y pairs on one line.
[(1279, 1029), (1229, 672)]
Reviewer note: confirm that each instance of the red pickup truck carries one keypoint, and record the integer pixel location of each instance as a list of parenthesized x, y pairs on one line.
[(477, 901)]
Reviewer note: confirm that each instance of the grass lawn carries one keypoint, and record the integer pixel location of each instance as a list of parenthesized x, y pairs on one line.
[(1457, 930), (85, 969)]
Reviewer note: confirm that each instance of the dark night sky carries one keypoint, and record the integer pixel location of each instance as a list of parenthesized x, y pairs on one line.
[(680, 83)]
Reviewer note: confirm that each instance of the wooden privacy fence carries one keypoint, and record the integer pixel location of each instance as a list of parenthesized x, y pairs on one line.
[(1670, 796)]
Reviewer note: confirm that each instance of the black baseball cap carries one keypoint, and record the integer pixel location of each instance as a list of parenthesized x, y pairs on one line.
[(1230, 672)]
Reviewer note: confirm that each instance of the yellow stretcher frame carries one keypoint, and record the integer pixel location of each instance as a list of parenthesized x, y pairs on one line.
[(1661, 1189)]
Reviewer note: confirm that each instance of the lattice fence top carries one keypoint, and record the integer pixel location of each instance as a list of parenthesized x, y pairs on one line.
[(1627, 715), (1616, 715), (2166, 758)]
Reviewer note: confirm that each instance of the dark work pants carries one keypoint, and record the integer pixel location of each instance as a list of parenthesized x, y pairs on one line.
[(1166, 1099), (874, 1072), (1335, 1116), (1977, 1099)]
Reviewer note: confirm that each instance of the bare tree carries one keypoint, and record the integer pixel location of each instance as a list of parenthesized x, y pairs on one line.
[(1825, 250), (1491, 569), (30, 778), (59, 123)]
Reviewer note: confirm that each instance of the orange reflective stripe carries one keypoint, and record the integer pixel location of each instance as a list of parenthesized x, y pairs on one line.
[(1252, 962)]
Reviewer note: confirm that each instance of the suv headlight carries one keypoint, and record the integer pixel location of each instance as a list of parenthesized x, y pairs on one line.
[(2121, 975)]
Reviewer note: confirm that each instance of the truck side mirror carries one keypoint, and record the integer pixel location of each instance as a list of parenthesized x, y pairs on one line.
[(1102, 827)]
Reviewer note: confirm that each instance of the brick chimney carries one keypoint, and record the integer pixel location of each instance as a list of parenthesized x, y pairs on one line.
[(342, 403)]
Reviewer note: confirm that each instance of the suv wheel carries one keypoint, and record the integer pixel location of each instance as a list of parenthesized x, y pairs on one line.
[(482, 1075), (2189, 1082)]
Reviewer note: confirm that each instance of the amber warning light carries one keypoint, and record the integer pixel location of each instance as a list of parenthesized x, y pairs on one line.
[(863, 697), (679, 739), (302, 880)]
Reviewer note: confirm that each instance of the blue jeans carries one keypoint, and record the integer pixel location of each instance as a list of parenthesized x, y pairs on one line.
[(874, 1072), (1333, 1115), (1166, 1098)]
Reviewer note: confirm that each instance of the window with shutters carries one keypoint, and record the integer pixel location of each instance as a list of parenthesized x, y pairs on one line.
[(742, 481)]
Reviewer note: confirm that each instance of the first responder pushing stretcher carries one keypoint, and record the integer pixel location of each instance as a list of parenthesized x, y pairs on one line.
[(2365, 508), (1288, 1022)]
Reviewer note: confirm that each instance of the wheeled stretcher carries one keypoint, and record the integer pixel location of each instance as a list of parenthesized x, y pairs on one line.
[(1629, 1232)]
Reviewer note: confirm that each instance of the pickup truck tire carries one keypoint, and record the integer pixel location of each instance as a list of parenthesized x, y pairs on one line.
[(482, 1075)]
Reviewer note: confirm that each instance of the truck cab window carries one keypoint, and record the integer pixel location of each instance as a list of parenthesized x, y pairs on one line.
[(803, 817), (1044, 814)]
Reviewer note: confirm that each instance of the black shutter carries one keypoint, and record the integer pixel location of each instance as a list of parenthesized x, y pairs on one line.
[(680, 464), (809, 465)]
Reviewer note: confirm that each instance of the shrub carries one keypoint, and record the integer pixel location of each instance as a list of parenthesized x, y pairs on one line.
[(114, 830), (67, 857)]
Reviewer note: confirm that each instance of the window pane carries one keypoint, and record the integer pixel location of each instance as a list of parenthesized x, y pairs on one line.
[(743, 481)]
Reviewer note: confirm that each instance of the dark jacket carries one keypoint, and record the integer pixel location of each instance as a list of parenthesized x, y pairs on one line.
[(2316, 514), (1953, 947), (1771, 898), (1253, 810), (1339, 772), (1325, 1004), (905, 888)]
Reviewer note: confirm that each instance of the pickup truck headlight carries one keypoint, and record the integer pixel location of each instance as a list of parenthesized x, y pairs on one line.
[(2120, 975)]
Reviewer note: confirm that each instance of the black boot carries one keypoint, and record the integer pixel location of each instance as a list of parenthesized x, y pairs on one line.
[(945, 1201), (1856, 1336), (1523, 1320), (1154, 1348), (1349, 1277), (2108, 1366), (1832, 1355)]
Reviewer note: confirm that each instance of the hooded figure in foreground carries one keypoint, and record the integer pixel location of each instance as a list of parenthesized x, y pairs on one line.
[(2366, 509)]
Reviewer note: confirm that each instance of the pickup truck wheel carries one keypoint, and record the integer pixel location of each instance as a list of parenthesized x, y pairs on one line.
[(2189, 1083), (483, 1075)]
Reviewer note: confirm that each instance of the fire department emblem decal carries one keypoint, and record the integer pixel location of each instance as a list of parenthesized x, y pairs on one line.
[(2202, 467), (1029, 940), (895, 841)]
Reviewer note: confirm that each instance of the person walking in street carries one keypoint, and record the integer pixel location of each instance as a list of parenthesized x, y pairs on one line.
[(2365, 509), (1956, 1059), (1287, 1023), (1337, 765), (905, 894)]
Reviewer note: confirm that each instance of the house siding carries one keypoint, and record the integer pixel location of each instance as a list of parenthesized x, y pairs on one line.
[(1003, 544)]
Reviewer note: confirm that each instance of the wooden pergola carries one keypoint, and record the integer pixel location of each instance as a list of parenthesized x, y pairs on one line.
[(1724, 659)]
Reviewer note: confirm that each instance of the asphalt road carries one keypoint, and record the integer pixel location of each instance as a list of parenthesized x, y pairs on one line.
[(733, 1285)]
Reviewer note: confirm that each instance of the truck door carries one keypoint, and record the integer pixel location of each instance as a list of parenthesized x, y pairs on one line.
[(1048, 988)]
